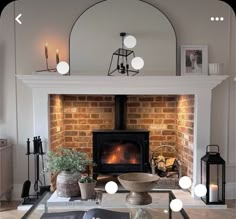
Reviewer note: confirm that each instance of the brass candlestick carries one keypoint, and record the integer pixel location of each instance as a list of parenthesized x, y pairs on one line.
[(46, 58)]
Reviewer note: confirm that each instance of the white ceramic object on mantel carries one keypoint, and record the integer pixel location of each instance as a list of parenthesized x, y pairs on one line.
[(216, 68)]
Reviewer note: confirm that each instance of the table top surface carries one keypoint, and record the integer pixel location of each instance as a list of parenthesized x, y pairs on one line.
[(160, 205)]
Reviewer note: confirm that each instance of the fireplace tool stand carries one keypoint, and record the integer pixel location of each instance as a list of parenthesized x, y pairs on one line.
[(38, 184)]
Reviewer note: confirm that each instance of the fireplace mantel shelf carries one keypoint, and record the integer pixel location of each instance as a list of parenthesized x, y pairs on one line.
[(122, 85)]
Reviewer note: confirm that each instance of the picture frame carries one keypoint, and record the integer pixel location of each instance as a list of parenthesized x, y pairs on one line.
[(194, 60)]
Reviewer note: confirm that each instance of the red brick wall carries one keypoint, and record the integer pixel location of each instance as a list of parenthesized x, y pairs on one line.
[(169, 118), (156, 114), (185, 123), (56, 123), (82, 114)]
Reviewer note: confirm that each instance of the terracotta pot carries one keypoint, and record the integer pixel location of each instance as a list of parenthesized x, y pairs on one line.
[(67, 184), (87, 190)]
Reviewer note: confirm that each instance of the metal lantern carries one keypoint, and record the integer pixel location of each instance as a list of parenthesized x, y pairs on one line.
[(213, 176), (120, 61)]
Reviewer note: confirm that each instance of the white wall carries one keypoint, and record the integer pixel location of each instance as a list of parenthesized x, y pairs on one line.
[(51, 21), (223, 109), (8, 120), (7, 75)]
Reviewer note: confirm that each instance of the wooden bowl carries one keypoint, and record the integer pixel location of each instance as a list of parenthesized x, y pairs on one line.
[(138, 184)]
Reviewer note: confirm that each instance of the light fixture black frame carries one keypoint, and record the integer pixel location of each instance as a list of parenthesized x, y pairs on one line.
[(122, 64)]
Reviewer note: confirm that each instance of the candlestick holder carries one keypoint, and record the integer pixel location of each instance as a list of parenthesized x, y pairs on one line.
[(46, 59), (47, 68)]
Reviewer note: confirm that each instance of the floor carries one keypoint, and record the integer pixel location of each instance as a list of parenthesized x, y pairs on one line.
[(8, 210)]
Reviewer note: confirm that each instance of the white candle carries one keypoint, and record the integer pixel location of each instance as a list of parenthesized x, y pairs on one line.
[(213, 193)]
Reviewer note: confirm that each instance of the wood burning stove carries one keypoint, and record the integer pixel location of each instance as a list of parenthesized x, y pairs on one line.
[(120, 151)]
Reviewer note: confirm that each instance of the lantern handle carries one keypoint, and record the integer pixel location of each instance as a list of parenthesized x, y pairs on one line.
[(212, 145)]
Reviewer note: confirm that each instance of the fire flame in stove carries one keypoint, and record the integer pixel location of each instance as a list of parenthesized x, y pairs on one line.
[(120, 155)]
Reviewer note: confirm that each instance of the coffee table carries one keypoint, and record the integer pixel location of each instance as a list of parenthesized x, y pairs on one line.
[(159, 208)]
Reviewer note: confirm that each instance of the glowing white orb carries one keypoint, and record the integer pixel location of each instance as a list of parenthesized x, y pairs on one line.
[(212, 18), (130, 41), (137, 63), (63, 67), (185, 182), (221, 18), (111, 187), (176, 205), (200, 190), (217, 18)]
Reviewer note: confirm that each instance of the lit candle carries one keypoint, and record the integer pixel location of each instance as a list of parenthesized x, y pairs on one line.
[(46, 50), (213, 193), (57, 56)]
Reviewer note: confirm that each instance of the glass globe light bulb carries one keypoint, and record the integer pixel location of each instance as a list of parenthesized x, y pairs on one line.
[(63, 67), (130, 41), (185, 182), (200, 190), (176, 205), (137, 63), (111, 187)]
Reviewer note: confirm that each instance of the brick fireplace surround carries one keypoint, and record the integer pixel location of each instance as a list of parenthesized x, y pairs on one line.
[(169, 118), (190, 133)]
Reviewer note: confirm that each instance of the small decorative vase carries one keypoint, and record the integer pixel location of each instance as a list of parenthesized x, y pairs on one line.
[(67, 184), (216, 68), (87, 190)]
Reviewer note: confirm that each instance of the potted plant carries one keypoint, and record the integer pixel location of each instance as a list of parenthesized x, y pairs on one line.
[(87, 185), (69, 163)]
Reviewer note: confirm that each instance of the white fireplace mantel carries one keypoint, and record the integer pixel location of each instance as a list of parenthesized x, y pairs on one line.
[(122, 84), (200, 86)]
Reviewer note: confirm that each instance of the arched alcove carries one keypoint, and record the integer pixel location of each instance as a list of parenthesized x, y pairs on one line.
[(96, 35)]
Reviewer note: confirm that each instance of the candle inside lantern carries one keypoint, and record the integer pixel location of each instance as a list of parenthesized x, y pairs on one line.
[(57, 56), (213, 193), (46, 50)]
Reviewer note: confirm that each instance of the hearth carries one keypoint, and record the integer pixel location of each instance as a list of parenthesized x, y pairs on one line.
[(120, 151)]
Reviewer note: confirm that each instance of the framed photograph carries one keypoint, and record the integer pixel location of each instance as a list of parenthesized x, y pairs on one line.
[(194, 60)]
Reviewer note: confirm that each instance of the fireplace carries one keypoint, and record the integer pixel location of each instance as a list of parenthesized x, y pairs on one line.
[(120, 151), (168, 118), (200, 88)]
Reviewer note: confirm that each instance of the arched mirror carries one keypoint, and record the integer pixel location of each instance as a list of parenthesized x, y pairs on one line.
[(95, 36)]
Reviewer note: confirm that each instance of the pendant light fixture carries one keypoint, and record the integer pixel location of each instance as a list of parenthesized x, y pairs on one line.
[(121, 58)]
